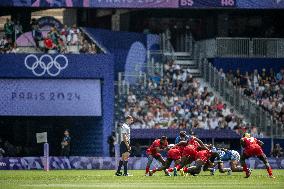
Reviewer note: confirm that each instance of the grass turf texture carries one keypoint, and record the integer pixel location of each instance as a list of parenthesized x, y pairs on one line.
[(106, 179)]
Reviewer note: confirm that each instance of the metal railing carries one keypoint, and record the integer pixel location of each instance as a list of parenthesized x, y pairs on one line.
[(242, 47), (124, 81), (258, 117)]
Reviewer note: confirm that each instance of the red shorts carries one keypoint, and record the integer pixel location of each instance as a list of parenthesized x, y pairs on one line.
[(155, 155), (254, 150), (203, 155), (189, 151), (174, 154)]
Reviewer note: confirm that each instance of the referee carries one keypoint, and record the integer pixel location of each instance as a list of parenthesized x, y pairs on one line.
[(124, 146)]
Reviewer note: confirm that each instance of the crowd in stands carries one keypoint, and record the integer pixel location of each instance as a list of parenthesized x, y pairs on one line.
[(56, 40), (7, 149), (179, 101), (8, 41), (265, 88), (59, 40)]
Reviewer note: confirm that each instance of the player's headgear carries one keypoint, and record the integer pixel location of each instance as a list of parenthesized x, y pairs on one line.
[(182, 133), (192, 133), (247, 135), (67, 130), (129, 117), (164, 138)]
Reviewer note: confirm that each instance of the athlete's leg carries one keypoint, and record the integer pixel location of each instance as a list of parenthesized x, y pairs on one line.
[(163, 167), (244, 165), (222, 169), (161, 160), (150, 160), (235, 166), (264, 159), (125, 157), (195, 169)]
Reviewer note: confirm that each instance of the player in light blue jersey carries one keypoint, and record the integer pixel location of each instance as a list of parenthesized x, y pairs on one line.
[(227, 155)]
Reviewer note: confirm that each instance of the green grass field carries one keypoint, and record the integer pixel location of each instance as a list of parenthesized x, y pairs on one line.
[(106, 179)]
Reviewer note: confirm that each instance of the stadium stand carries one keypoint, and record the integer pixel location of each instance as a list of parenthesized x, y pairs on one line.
[(45, 39), (179, 101)]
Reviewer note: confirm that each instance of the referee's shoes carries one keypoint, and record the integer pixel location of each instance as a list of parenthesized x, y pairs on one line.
[(120, 174)]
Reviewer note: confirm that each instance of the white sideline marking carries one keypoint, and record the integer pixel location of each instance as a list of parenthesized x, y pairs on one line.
[(196, 185)]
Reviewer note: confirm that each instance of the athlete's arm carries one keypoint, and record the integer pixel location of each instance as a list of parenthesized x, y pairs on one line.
[(242, 143), (181, 143), (125, 140), (158, 149), (201, 143), (260, 143), (216, 156), (224, 149)]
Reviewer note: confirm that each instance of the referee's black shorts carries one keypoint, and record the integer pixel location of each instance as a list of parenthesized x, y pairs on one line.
[(123, 148)]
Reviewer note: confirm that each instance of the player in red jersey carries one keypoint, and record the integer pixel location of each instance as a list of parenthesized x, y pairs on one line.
[(154, 152), (252, 148), (189, 151), (202, 158), (174, 154)]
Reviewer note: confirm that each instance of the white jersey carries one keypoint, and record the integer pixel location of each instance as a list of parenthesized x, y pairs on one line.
[(125, 129)]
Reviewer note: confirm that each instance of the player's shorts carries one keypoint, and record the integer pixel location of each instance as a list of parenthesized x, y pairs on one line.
[(123, 148), (203, 155), (189, 151), (252, 151), (235, 156), (174, 154), (156, 155)]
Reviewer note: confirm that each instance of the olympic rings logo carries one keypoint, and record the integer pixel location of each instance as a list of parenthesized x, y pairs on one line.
[(46, 64)]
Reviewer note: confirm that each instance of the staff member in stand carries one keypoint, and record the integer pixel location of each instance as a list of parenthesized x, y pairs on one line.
[(124, 146), (65, 144)]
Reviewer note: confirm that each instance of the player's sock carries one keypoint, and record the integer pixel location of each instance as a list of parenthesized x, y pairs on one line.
[(154, 170), (147, 169), (185, 169), (239, 169), (245, 168), (178, 167), (170, 169), (125, 167), (119, 166), (227, 169), (269, 170)]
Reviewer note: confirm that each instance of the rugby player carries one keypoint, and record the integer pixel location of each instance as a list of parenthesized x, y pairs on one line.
[(154, 150), (226, 155), (252, 148), (174, 154)]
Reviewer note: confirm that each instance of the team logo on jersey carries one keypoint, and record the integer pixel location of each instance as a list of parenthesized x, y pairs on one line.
[(46, 64)]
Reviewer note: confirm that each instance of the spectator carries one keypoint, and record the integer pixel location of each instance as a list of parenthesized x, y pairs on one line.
[(9, 29), (280, 77), (37, 35), (18, 29), (65, 144), (2, 152), (10, 149), (85, 47), (111, 141), (54, 36), (277, 151), (73, 37), (64, 33)]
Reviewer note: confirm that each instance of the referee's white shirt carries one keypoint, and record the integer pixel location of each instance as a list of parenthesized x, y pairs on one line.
[(125, 129)]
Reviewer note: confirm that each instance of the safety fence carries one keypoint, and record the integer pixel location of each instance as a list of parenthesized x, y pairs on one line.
[(242, 47)]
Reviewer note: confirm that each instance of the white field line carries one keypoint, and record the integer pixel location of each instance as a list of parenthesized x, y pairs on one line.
[(146, 185)]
